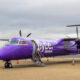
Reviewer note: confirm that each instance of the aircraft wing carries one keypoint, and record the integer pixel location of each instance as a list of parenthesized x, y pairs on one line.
[(4, 39)]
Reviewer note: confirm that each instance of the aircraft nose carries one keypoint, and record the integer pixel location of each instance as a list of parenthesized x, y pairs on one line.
[(1, 54), (5, 53), (13, 52)]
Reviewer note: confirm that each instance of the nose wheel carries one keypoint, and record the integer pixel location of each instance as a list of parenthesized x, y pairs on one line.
[(8, 64)]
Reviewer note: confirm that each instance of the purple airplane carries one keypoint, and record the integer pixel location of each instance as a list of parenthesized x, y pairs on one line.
[(24, 48)]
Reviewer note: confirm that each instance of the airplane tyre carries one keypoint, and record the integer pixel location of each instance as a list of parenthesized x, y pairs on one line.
[(8, 65)]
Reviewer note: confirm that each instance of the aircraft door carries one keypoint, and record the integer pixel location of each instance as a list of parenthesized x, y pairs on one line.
[(35, 58), (34, 49)]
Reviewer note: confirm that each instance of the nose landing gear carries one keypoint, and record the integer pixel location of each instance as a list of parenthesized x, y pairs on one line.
[(7, 64)]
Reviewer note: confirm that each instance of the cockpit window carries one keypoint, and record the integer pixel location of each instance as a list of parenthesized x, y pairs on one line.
[(14, 42), (22, 42), (18, 42)]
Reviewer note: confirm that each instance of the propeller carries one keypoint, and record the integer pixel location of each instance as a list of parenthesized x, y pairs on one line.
[(77, 40), (20, 33), (76, 29)]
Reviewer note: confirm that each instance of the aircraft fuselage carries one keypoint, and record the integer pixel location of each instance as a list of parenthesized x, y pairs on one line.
[(23, 48)]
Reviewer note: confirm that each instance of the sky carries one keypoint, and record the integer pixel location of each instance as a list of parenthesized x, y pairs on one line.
[(43, 18)]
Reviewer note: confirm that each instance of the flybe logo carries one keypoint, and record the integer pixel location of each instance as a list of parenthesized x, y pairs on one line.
[(45, 47)]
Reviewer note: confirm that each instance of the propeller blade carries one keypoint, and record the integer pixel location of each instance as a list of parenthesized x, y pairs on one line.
[(77, 32), (20, 33), (73, 25), (76, 25), (29, 34), (73, 45), (77, 40)]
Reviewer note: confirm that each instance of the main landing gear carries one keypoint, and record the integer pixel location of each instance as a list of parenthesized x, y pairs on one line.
[(7, 64)]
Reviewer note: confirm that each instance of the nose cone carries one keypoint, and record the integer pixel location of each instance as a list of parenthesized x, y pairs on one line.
[(5, 53), (8, 52), (1, 55)]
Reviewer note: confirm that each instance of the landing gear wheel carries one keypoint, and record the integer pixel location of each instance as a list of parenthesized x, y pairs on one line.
[(8, 65)]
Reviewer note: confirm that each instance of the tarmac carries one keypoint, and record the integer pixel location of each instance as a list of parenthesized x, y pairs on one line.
[(57, 68)]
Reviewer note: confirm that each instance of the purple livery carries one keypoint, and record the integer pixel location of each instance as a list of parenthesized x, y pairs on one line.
[(24, 48)]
